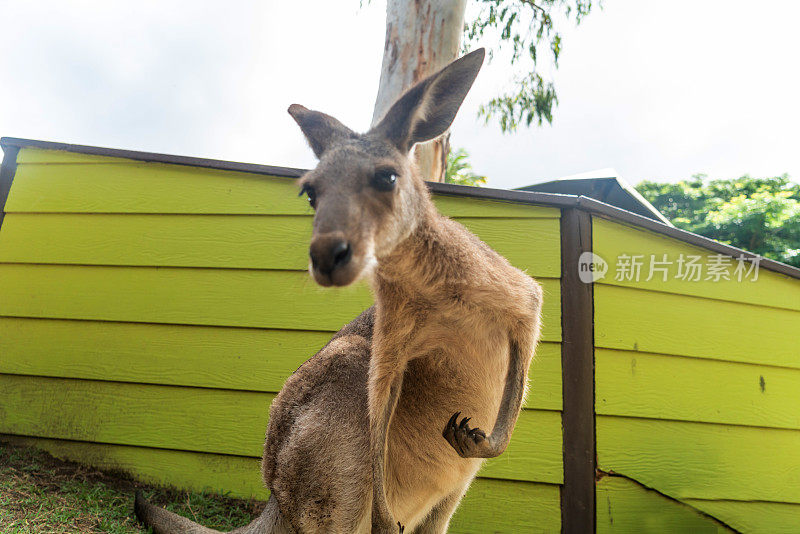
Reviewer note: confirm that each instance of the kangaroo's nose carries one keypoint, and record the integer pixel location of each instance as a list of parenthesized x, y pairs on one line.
[(328, 254)]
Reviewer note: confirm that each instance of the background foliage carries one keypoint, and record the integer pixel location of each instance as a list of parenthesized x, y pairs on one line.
[(528, 29), (459, 170), (761, 215)]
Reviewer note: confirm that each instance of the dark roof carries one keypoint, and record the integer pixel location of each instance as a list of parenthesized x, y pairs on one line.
[(580, 202), (611, 190)]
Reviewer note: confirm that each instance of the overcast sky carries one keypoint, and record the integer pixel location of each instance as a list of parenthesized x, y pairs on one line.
[(655, 89)]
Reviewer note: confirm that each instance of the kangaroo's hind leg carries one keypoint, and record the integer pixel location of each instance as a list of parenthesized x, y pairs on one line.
[(316, 457)]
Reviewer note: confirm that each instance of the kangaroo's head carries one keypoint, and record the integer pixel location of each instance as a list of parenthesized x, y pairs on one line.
[(365, 190)]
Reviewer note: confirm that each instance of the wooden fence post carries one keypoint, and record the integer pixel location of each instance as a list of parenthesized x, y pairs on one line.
[(577, 368)]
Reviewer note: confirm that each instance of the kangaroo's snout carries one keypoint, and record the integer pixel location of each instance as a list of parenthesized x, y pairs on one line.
[(330, 256)]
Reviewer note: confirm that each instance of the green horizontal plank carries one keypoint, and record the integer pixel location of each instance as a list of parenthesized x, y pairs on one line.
[(257, 242), (610, 240), (138, 187), (536, 442), (669, 387), (194, 419), (702, 461), (229, 358), (649, 321), (207, 420), (525, 506), (502, 506), (219, 297), (150, 188), (276, 299), (624, 506), (754, 517), (236, 476)]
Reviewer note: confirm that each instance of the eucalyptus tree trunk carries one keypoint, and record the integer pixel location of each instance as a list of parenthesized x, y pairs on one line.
[(422, 36)]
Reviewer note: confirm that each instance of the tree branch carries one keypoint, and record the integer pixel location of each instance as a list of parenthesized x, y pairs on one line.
[(533, 5)]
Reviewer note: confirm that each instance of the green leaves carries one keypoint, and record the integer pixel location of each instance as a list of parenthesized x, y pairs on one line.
[(525, 27), (533, 101), (761, 215), (459, 170)]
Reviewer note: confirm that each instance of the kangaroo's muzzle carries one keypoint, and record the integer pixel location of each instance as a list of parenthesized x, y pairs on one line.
[(331, 257)]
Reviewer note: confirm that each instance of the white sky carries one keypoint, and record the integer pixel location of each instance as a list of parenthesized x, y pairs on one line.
[(657, 89)]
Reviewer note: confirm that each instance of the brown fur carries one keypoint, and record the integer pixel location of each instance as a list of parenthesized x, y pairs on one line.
[(355, 440)]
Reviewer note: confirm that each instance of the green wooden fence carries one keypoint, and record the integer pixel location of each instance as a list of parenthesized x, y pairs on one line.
[(149, 312), (151, 307)]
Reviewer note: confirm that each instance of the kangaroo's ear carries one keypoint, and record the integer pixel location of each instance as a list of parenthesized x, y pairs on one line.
[(322, 131), (427, 110)]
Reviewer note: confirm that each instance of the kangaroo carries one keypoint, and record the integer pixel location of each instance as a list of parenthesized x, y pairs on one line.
[(366, 436)]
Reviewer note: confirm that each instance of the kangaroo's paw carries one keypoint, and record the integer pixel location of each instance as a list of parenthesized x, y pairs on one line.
[(468, 442), (401, 527)]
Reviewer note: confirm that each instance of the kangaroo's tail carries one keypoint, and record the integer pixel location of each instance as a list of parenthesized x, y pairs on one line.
[(165, 522)]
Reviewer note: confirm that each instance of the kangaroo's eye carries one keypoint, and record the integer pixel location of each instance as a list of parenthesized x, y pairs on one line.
[(311, 193), (384, 180)]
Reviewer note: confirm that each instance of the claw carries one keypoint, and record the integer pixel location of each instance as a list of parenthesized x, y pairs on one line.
[(463, 438), (449, 428), (400, 527), (453, 419)]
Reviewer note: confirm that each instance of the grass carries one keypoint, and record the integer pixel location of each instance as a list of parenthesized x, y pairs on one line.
[(41, 494)]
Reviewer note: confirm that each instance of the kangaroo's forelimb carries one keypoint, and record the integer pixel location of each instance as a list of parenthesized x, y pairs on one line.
[(384, 391), (473, 442)]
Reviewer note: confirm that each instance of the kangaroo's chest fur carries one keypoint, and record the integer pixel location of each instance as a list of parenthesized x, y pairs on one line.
[(447, 332), (422, 467)]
